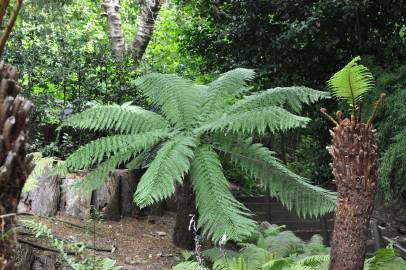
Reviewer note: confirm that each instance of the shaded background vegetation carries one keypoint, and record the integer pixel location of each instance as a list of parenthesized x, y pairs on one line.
[(62, 53)]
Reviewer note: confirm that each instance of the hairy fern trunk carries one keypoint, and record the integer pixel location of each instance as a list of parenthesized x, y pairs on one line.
[(14, 166), (185, 207), (354, 153)]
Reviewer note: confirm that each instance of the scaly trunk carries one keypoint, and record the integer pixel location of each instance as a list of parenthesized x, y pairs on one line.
[(185, 206), (117, 38), (14, 165), (354, 153), (146, 24)]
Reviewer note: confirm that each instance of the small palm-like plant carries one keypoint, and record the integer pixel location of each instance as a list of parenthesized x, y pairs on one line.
[(180, 146), (354, 153)]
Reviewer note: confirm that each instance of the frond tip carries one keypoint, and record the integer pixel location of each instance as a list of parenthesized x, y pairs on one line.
[(351, 83)]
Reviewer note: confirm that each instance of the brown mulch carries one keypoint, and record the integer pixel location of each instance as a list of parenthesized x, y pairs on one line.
[(138, 244)]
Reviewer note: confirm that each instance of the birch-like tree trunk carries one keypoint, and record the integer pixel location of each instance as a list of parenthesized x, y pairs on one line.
[(146, 24)]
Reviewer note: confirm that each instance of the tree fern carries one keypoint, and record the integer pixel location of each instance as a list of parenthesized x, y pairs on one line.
[(97, 177), (179, 141), (228, 84), (219, 211), (168, 168), (256, 121), (98, 150), (120, 119), (294, 191), (294, 97), (178, 98), (351, 83)]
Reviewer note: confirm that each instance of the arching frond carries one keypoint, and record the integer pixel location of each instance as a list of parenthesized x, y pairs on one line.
[(294, 191), (186, 266), (178, 98), (121, 119), (219, 212), (169, 166), (315, 261), (98, 150), (351, 82), (96, 178), (257, 121), (228, 84), (293, 97)]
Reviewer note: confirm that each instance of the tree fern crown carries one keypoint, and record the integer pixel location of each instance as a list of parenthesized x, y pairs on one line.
[(193, 125), (351, 83)]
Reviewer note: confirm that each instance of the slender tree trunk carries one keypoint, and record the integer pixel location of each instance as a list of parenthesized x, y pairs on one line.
[(185, 206), (354, 153), (14, 165), (116, 34), (146, 24)]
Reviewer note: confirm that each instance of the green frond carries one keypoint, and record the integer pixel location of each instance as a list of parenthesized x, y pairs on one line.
[(285, 244), (293, 97), (214, 254), (97, 177), (187, 266), (169, 166), (178, 98), (228, 84), (219, 211), (316, 261), (121, 119), (351, 82), (294, 191), (98, 150), (257, 121)]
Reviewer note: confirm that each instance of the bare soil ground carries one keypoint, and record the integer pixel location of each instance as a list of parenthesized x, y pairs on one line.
[(138, 244)]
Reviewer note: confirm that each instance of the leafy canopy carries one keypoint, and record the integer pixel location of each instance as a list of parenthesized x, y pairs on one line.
[(193, 125)]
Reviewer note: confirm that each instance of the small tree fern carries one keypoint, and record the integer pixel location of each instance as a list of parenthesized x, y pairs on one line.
[(193, 127)]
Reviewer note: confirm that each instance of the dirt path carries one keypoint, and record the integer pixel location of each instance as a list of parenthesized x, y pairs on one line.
[(139, 244)]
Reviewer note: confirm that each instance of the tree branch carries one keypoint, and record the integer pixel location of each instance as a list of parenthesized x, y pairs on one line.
[(11, 22), (146, 24)]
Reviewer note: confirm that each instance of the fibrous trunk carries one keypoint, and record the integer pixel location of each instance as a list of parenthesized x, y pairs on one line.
[(14, 165), (354, 153), (185, 207)]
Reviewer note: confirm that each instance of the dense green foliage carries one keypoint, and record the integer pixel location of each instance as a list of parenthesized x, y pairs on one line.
[(194, 126), (276, 249), (390, 123), (297, 42)]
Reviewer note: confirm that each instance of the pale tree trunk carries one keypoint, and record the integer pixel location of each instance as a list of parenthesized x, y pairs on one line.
[(146, 23), (354, 153), (117, 39)]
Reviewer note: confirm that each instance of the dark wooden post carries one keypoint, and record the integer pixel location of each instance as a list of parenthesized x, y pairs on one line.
[(376, 234), (325, 232), (267, 200)]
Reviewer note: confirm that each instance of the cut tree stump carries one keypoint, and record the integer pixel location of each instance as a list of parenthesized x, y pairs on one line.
[(44, 199), (106, 199), (128, 184), (24, 257), (73, 203)]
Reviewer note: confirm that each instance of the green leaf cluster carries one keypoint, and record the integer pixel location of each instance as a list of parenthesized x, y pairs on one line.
[(191, 126)]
